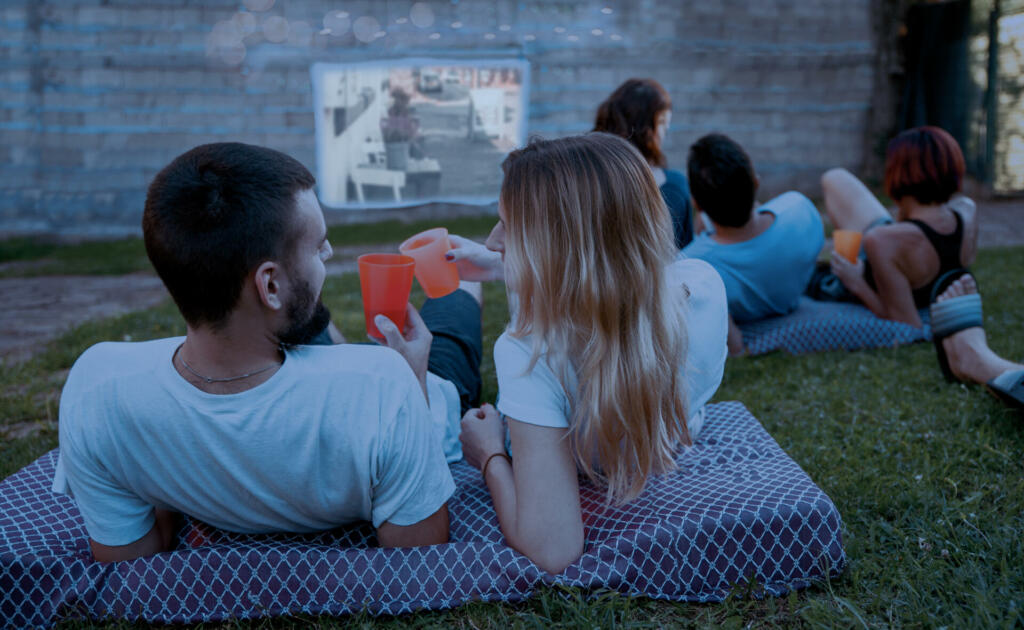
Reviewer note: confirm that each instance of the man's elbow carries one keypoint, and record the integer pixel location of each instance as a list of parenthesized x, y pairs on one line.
[(149, 545), (432, 530)]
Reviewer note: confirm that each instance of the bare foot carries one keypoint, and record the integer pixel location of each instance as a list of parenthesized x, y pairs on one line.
[(964, 285), (969, 356)]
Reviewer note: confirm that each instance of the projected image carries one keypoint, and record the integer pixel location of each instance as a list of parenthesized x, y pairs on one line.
[(414, 131)]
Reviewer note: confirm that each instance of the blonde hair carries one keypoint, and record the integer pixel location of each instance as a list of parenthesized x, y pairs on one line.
[(588, 239)]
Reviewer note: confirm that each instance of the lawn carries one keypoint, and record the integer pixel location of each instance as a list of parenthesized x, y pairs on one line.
[(929, 477)]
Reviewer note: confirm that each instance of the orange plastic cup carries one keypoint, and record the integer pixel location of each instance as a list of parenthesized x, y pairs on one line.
[(847, 243), (437, 276), (385, 281)]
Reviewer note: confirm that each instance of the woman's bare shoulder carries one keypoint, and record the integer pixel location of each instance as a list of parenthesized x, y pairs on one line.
[(893, 240)]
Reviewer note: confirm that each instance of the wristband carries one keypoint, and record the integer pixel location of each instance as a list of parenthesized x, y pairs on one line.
[(483, 471)]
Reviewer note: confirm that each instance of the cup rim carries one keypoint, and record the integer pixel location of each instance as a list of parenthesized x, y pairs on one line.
[(386, 260)]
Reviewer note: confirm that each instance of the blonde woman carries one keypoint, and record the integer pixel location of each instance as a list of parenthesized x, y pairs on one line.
[(612, 350)]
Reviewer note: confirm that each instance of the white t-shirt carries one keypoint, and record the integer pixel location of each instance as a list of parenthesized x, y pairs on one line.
[(338, 434), (537, 397)]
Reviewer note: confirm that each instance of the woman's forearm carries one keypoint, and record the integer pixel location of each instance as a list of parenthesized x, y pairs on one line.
[(501, 484), (552, 549)]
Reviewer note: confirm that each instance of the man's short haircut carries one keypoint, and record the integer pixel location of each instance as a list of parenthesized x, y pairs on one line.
[(722, 179), (924, 163), (213, 215)]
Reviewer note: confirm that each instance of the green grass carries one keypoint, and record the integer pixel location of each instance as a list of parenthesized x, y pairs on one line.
[(928, 476), (41, 257), (86, 258)]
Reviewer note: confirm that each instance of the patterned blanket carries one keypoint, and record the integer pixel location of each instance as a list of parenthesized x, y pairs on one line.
[(821, 326), (738, 509)]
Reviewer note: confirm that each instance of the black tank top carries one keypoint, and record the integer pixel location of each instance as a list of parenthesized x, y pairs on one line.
[(947, 246)]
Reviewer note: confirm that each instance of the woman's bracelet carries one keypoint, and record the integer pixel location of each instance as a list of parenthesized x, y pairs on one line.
[(483, 471)]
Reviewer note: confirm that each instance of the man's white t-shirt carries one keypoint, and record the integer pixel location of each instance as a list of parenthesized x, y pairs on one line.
[(536, 396), (338, 434)]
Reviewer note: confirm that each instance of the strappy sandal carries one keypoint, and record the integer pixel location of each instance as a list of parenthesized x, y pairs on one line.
[(949, 317), (1009, 388)]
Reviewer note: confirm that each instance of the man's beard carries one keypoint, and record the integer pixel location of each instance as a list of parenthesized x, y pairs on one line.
[(306, 320)]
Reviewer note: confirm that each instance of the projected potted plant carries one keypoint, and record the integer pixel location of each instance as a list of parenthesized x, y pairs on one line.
[(398, 129)]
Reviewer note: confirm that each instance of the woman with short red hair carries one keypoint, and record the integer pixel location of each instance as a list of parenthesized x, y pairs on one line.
[(935, 230)]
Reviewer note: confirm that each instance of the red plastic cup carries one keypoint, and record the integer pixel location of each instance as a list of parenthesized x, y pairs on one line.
[(437, 276), (847, 243), (385, 281)]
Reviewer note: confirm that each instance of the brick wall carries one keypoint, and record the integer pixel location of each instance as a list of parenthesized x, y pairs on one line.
[(97, 95)]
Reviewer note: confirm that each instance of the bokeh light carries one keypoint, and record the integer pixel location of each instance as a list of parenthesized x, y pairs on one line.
[(365, 28), (337, 22), (422, 15), (245, 22), (275, 29), (224, 43)]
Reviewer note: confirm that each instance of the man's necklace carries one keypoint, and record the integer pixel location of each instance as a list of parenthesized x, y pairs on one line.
[(209, 379)]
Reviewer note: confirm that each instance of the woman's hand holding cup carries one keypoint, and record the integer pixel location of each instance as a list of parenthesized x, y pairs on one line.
[(475, 262)]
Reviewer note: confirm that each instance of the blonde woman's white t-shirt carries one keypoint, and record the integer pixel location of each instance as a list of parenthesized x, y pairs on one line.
[(536, 396)]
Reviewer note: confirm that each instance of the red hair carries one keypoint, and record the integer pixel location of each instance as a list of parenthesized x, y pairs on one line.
[(630, 113), (924, 163)]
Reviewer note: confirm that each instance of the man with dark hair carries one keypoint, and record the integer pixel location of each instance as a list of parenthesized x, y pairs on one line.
[(239, 423), (765, 254)]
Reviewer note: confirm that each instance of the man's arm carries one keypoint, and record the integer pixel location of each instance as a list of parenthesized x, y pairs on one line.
[(158, 539), (432, 530)]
